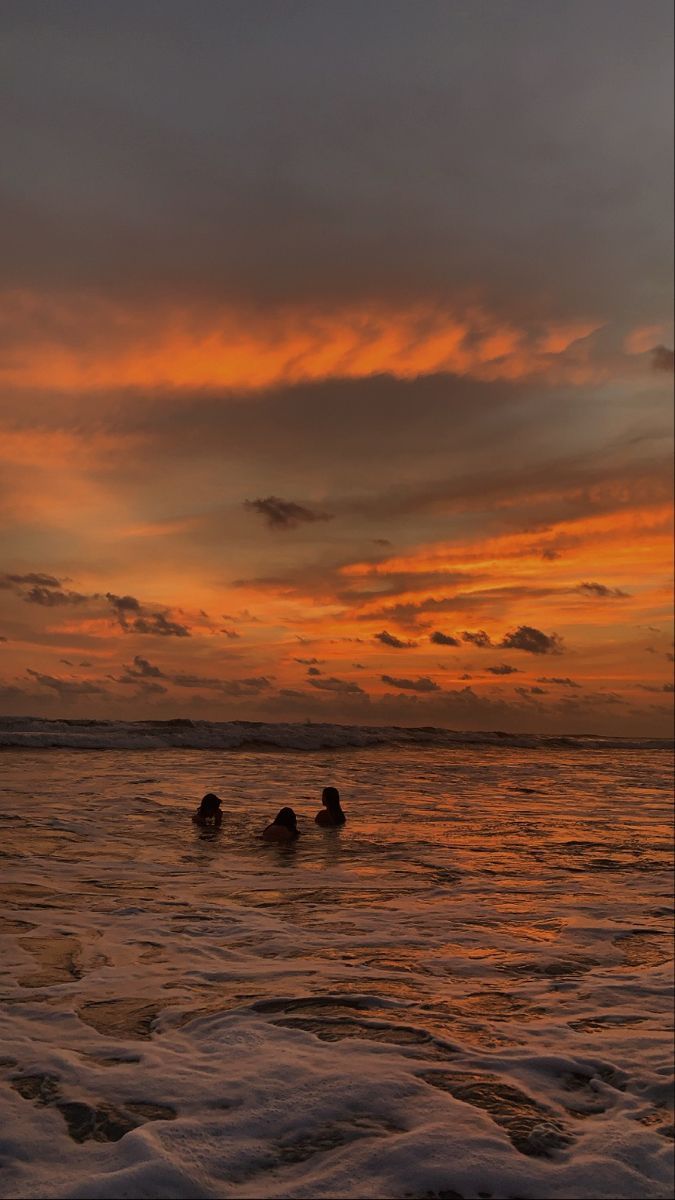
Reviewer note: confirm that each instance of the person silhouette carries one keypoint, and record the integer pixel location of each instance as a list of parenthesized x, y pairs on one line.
[(209, 812), (284, 827), (331, 815)]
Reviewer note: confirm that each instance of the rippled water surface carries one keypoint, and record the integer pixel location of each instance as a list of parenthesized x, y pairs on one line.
[(463, 992)]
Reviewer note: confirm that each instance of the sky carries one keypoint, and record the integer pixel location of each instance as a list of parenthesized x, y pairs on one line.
[(336, 362)]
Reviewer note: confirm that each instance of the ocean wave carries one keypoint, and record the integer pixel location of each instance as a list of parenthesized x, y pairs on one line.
[(181, 733)]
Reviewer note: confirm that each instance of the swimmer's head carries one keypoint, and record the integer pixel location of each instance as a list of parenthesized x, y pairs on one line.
[(210, 805), (288, 819), (330, 798)]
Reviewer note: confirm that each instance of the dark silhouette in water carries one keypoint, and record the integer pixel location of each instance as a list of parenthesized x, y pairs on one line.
[(284, 827), (331, 815), (209, 812)]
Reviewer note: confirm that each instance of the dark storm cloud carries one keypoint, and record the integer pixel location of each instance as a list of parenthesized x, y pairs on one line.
[(390, 639), (285, 514), (601, 589), (532, 640), (421, 684), (313, 671), (560, 680), (663, 358), (443, 639), (502, 669), (344, 686), (263, 151)]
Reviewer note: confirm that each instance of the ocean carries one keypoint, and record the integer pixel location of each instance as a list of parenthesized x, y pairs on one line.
[(465, 992)]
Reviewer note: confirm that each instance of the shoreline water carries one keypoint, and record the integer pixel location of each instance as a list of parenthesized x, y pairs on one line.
[(466, 990)]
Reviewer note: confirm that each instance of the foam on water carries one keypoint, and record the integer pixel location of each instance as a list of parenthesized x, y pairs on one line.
[(465, 992)]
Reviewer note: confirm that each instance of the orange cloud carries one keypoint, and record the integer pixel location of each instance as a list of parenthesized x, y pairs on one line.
[(493, 583), (644, 338), (97, 346)]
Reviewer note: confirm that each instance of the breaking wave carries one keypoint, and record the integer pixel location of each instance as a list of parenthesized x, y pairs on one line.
[(181, 733)]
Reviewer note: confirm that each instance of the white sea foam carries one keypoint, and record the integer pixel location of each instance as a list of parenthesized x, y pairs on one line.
[(463, 992)]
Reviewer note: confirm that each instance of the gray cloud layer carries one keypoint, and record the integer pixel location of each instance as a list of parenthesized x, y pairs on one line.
[(267, 150)]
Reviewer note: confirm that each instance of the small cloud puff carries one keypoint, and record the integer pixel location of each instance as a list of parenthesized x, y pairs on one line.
[(562, 681), (532, 640), (479, 638), (443, 639), (285, 514), (421, 684), (389, 639), (601, 589), (344, 686)]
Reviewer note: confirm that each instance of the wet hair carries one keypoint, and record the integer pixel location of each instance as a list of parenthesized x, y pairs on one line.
[(210, 805), (330, 798), (288, 819)]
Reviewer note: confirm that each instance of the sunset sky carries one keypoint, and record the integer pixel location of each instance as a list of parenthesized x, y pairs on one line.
[(336, 362)]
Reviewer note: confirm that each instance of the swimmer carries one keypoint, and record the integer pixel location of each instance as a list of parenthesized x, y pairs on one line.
[(209, 812), (331, 815), (284, 827)]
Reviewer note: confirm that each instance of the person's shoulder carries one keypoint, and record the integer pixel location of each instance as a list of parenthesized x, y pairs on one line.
[(273, 833)]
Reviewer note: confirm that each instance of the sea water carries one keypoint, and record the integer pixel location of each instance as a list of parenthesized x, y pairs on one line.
[(464, 992)]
